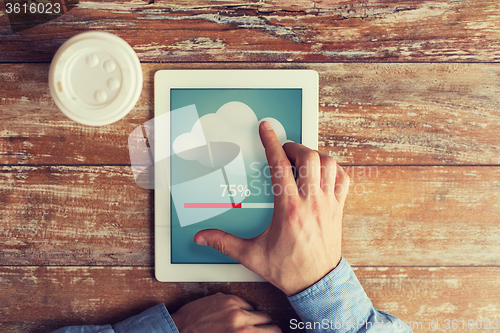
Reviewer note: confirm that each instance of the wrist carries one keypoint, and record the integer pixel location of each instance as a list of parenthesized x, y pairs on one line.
[(291, 289)]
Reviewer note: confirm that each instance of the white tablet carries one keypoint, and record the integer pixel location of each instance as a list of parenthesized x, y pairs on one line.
[(211, 170)]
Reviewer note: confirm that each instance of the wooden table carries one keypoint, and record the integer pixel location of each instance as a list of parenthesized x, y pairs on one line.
[(409, 104)]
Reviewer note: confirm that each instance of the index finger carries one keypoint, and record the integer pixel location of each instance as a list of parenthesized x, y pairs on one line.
[(279, 164)]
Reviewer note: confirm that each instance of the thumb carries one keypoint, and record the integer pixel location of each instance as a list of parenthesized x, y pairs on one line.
[(223, 242)]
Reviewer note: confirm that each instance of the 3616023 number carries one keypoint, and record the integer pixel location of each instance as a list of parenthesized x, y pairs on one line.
[(479, 324), (33, 8)]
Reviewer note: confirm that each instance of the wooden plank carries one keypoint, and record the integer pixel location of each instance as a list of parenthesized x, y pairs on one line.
[(428, 216), (394, 216), (75, 216), (434, 294), (35, 131), (77, 296), (276, 31), (41, 299), (410, 113), (369, 114)]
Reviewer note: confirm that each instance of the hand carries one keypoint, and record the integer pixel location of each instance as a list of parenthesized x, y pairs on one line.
[(303, 241), (221, 313)]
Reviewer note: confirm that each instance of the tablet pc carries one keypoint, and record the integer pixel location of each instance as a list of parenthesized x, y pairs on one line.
[(212, 171)]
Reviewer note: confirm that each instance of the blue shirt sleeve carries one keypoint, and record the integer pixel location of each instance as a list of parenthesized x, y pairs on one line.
[(337, 303), (154, 320)]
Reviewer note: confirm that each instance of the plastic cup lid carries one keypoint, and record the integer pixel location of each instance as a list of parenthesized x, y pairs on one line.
[(95, 78)]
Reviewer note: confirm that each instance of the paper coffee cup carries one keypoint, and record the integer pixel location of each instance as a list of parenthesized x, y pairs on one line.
[(95, 78)]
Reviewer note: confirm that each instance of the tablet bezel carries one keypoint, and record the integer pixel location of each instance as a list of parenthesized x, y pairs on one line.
[(164, 81)]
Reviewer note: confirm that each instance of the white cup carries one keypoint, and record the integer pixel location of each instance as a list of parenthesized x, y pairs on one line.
[(95, 78)]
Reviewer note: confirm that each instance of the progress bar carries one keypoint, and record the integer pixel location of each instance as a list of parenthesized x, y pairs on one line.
[(228, 205)]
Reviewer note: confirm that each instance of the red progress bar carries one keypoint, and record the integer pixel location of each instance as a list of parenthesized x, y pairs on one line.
[(211, 205)]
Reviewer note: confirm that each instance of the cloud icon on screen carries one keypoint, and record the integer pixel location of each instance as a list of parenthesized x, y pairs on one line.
[(234, 122)]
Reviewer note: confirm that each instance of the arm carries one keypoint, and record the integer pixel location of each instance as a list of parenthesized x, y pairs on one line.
[(154, 320), (300, 252), (338, 303), (212, 314)]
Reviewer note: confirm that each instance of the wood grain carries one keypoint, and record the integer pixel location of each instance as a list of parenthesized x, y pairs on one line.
[(410, 113), (409, 88), (35, 131), (420, 295), (41, 299), (422, 216), (394, 216), (102, 295), (75, 216), (437, 114), (276, 31)]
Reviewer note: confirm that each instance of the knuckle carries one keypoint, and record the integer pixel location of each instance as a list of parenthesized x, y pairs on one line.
[(307, 158), (235, 316), (293, 209), (221, 297), (293, 205), (227, 300), (311, 155), (219, 244), (282, 164), (267, 317), (328, 161), (232, 301)]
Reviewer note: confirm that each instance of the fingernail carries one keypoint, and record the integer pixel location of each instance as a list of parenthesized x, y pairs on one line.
[(266, 125), (201, 241)]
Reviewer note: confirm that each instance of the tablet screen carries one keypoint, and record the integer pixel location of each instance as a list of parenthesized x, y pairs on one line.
[(219, 177)]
